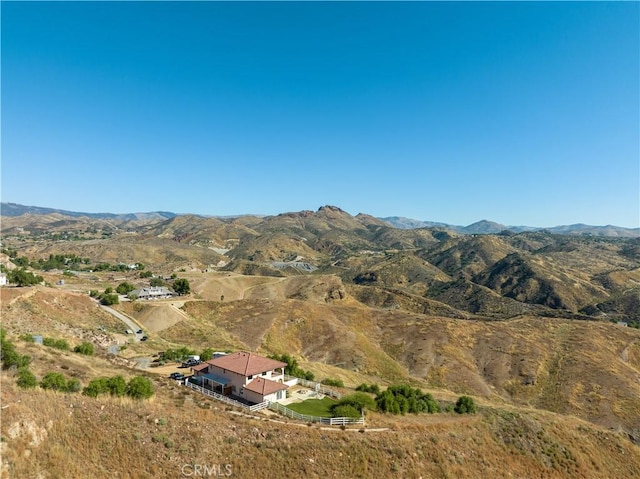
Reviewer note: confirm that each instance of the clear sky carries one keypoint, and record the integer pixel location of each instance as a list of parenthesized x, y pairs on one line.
[(521, 113)]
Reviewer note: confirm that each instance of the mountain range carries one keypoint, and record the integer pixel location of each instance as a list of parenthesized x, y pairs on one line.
[(401, 222)]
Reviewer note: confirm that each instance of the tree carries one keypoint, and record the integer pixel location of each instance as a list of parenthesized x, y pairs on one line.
[(207, 354), (125, 288), (155, 282), (139, 388), (22, 277), (465, 405), (109, 299), (401, 399), (181, 286)]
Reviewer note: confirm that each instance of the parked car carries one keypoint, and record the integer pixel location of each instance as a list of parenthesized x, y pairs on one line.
[(139, 331), (144, 338), (191, 362), (177, 376)]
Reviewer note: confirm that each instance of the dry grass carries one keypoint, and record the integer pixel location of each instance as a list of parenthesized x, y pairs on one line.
[(47, 434)]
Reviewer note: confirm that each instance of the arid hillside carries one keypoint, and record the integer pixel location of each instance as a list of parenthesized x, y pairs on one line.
[(484, 276), (533, 326)]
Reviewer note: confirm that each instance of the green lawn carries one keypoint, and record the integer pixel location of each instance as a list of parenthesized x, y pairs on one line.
[(314, 407)]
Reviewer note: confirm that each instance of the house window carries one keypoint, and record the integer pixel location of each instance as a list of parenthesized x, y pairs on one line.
[(250, 377)]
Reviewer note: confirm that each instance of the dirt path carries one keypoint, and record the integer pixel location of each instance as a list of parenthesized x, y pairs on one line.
[(262, 285), (26, 295)]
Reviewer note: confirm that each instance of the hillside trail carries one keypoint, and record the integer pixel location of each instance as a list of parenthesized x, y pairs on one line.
[(177, 308), (275, 280), (25, 295)]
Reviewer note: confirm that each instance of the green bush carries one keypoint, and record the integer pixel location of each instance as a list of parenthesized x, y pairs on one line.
[(28, 338), (178, 354), (373, 388), (95, 387), (55, 381), (352, 405), (338, 383), (84, 348), (108, 299), (465, 405), (181, 286), (8, 354), (401, 399), (117, 386), (139, 388), (26, 379), (125, 288), (345, 410), (292, 368), (61, 344), (73, 385)]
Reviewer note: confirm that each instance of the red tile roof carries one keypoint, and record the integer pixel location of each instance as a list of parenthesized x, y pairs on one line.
[(265, 386), (200, 367), (246, 364)]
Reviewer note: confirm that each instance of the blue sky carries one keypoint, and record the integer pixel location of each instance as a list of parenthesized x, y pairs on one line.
[(521, 113)]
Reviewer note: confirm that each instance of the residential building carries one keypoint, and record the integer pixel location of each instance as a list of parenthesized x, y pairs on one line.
[(153, 292), (245, 375)]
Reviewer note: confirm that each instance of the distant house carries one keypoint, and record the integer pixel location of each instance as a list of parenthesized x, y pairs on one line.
[(622, 323), (153, 292), (246, 375), (3, 279)]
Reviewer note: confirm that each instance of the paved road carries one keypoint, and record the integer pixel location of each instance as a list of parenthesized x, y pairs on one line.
[(131, 325)]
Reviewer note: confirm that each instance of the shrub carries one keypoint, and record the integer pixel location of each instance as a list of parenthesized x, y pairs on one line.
[(73, 385), (61, 344), (292, 368), (345, 410), (84, 348), (178, 354), (55, 381), (95, 387), (125, 288), (358, 401), (401, 399), (28, 338), (373, 388), (181, 286), (116, 386), (333, 382), (26, 379), (8, 354), (109, 299), (465, 405), (139, 388)]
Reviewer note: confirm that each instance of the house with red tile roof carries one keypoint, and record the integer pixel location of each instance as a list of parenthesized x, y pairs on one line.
[(246, 375)]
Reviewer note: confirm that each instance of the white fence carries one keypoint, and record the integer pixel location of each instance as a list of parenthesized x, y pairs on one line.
[(317, 387), (333, 421), (225, 399), (274, 406)]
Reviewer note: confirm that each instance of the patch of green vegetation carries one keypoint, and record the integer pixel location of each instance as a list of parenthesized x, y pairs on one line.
[(315, 407)]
